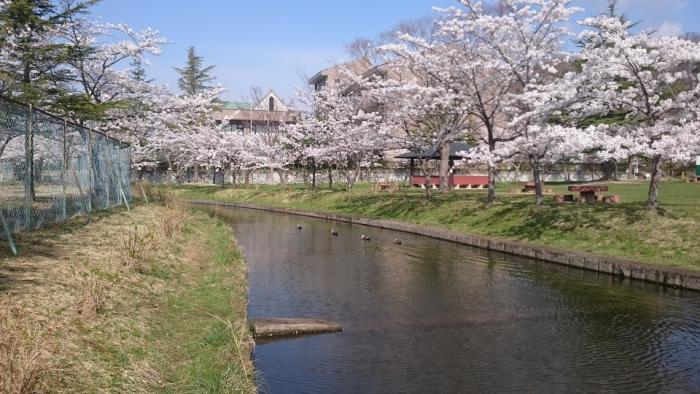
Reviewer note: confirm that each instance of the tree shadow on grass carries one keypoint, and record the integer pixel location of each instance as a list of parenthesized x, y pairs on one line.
[(383, 206), (44, 243), (567, 218), (14, 277)]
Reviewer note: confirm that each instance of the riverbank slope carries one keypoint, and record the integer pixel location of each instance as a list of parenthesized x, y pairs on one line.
[(152, 300), (623, 230)]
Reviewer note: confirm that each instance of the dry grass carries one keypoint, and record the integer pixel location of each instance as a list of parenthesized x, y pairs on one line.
[(134, 246), (173, 219), (80, 309), (145, 192), (93, 301), (24, 359)]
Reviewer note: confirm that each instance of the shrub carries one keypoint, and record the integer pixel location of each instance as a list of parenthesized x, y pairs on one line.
[(134, 246)]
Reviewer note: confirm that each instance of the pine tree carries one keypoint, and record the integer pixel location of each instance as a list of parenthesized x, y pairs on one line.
[(138, 71), (31, 70), (194, 77)]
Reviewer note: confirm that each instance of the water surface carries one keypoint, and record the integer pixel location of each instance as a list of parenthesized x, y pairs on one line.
[(433, 316)]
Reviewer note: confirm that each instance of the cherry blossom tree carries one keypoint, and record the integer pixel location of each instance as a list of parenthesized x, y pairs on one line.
[(100, 50), (350, 135), (302, 139), (649, 79), (502, 54), (418, 118), (427, 75)]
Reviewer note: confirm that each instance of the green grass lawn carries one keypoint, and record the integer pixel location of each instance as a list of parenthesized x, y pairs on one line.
[(671, 238)]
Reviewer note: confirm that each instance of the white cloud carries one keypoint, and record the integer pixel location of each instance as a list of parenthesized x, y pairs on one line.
[(669, 28)]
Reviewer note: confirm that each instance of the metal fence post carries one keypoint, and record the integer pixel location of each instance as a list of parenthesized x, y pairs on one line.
[(107, 173), (8, 234), (91, 181), (64, 168), (29, 171)]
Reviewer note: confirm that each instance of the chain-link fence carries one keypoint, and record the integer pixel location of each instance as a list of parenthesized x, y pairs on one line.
[(52, 169)]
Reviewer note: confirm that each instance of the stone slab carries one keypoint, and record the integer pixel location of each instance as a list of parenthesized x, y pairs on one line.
[(284, 327)]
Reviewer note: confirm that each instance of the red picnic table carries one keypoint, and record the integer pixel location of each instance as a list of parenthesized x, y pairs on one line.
[(588, 192)]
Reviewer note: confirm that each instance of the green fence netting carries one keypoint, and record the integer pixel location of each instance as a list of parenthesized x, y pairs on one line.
[(52, 169)]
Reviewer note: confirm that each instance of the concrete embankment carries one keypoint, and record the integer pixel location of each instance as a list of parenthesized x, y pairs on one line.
[(609, 265)]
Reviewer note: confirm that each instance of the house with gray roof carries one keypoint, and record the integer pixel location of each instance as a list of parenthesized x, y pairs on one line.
[(266, 115)]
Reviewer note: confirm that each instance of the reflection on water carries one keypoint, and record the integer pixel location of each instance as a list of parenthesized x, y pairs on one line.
[(432, 316)]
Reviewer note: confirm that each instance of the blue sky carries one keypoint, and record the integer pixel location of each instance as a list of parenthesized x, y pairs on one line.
[(272, 43)]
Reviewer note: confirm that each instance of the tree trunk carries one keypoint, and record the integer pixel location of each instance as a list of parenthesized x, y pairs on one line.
[(491, 197), (656, 173), (426, 182), (330, 177), (283, 177), (196, 174), (445, 167), (313, 173), (351, 178), (535, 164)]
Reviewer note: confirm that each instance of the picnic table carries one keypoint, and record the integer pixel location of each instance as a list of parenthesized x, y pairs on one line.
[(384, 185), (589, 192), (530, 186)]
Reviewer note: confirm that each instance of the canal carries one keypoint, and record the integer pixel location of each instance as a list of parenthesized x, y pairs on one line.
[(433, 316)]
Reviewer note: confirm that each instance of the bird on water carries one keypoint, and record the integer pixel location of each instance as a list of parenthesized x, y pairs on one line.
[(298, 226), (398, 241), (365, 238), (333, 232)]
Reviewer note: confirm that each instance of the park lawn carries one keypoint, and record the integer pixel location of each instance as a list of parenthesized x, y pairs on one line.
[(624, 230), (154, 300)]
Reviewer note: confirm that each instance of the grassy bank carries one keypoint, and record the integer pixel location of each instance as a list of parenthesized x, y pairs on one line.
[(622, 230), (148, 301)]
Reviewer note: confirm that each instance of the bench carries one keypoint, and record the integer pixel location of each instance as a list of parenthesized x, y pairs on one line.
[(458, 181), (419, 181), (469, 181), (530, 187)]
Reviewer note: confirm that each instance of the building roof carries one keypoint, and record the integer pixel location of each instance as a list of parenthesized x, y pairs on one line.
[(434, 153), (357, 66), (258, 116), (249, 111), (232, 105)]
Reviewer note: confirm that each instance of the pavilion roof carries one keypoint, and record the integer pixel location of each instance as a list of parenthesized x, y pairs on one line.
[(434, 153)]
